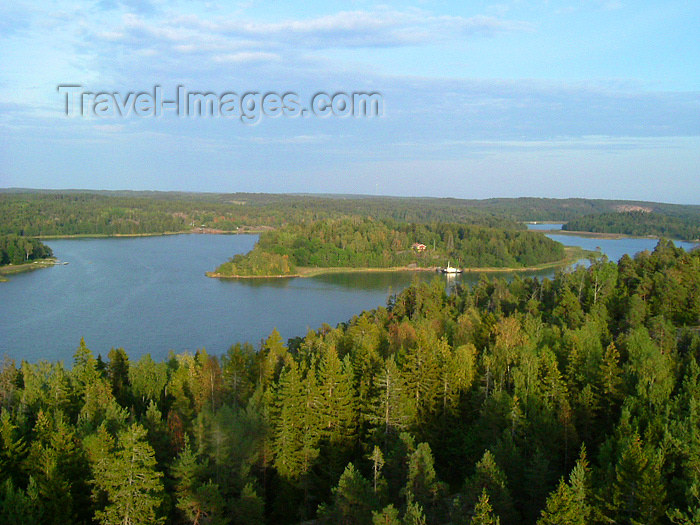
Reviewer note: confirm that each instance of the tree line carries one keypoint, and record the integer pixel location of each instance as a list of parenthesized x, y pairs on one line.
[(565, 401), (16, 249), (128, 213), (639, 223), (65, 212), (357, 242)]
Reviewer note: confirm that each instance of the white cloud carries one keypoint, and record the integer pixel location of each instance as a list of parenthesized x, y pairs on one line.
[(345, 29), (360, 28), (246, 56)]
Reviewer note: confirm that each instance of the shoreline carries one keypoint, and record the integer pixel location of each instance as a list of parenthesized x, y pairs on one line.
[(196, 231), (610, 236), (573, 254), (12, 269)]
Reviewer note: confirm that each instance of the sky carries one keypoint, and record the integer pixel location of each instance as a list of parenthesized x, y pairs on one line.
[(573, 98)]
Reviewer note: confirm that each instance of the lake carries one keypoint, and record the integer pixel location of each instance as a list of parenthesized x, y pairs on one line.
[(150, 295)]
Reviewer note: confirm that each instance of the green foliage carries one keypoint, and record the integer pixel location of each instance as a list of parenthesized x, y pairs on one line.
[(128, 478), (483, 513), (353, 500), (388, 516), (461, 408), (353, 242), (570, 504), (17, 506), (639, 223), (124, 213), (16, 249)]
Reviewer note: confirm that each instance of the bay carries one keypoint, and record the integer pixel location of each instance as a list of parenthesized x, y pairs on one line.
[(150, 295)]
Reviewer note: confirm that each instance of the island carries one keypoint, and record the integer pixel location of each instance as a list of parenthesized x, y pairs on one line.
[(366, 244)]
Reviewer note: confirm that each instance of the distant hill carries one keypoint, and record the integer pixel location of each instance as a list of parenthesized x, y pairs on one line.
[(639, 222), (69, 212)]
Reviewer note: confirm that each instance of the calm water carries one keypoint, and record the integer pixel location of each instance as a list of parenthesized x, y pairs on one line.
[(150, 295), (614, 248)]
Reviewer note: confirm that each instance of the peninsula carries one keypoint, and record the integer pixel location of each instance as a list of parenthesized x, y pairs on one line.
[(366, 244)]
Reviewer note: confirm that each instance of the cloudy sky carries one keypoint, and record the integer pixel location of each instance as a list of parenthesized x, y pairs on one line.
[(586, 98)]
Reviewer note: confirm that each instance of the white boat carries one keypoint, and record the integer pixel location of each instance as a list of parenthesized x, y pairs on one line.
[(451, 270)]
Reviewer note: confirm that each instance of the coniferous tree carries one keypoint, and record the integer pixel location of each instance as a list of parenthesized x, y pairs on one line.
[(490, 478), (129, 481), (422, 486), (483, 513), (353, 500), (249, 508), (638, 492), (19, 507), (570, 503), (389, 515)]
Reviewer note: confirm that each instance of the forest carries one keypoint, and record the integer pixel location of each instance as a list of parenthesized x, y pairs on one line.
[(572, 400), (356, 242), (131, 213), (83, 212), (639, 223), (15, 249)]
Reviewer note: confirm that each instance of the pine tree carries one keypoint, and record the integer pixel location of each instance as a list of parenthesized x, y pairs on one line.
[(392, 411), (272, 358), (207, 386), (60, 470), (19, 507), (457, 372), (336, 412), (12, 448), (414, 514), (337, 400), (570, 504), (611, 380), (118, 374), (389, 515), (420, 371), (422, 485), (490, 477), (84, 370), (353, 500), (377, 459), (483, 512), (200, 501), (638, 492), (129, 480), (287, 445), (249, 508), (236, 367)]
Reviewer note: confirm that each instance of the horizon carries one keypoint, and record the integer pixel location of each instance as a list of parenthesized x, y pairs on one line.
[(16, 189)]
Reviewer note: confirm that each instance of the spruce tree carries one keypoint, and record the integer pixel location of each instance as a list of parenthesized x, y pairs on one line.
[(129, 480), (483, 512)]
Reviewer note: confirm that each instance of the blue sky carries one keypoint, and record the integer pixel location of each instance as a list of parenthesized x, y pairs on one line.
[(578, 98)]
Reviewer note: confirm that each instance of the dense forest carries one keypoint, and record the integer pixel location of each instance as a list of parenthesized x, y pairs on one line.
[(638, 223), (357, 242), (539, 209), (15, 249), (73, 212), (566, 401), (126, 213)]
